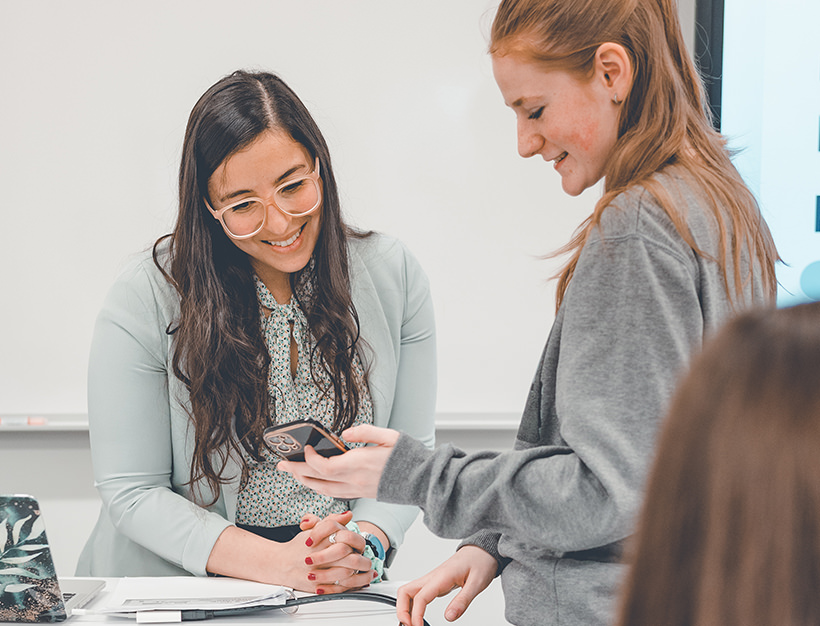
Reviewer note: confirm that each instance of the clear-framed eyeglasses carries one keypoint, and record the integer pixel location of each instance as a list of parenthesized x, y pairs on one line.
[(295, 197)]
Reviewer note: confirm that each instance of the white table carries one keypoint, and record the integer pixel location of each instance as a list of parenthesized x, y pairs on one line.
[(335, 612)]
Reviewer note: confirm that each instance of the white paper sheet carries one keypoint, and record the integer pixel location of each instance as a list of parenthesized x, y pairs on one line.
[(188, 593)]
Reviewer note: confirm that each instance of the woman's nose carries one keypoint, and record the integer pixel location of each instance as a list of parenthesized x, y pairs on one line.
[(529, 142), (276, 221)]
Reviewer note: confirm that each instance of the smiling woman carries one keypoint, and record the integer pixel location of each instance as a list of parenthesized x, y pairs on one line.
[(262, 307), (278, 242), (564, 118)]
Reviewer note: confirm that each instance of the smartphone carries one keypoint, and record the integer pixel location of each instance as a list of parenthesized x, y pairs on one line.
[(289, 440)]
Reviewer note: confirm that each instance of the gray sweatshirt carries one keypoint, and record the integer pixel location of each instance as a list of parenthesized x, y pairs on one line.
[(555, 510)]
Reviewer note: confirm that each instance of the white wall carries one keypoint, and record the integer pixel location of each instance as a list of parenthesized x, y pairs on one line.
[(96, 98)]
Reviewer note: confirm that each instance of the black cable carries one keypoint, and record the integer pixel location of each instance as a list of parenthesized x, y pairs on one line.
[(188, 616), (372, 597)]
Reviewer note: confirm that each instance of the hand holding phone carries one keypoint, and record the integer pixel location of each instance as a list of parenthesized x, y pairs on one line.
[(288, 441)]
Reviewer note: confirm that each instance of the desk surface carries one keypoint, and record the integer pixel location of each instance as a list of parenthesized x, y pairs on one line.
[(338, 613)]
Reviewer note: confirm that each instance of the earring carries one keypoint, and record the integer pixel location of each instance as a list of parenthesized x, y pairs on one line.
[(615, 99)]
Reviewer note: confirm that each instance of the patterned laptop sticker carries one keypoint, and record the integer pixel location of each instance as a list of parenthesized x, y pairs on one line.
[(28, 583)]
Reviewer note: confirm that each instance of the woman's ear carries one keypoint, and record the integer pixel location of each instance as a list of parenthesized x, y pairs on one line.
[(613, 68)]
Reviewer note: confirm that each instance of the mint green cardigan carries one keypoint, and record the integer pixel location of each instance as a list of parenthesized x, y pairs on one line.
[(141, 436)]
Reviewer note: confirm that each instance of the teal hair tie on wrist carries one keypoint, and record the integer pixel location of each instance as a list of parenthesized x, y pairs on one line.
[(373, 549)]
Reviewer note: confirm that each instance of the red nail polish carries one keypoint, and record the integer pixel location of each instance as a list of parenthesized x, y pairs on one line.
[(311, 576), (320, 591), (375, 573), (309, 542), (308, 561)]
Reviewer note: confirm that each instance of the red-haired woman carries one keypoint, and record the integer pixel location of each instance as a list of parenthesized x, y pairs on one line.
[(602, 90)]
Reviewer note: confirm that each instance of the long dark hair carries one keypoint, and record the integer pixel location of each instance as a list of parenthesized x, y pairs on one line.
[(730, 530), (219, 353), (664, 119)]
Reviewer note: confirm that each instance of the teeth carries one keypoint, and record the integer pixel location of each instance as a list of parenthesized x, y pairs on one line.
[(286, 243), (561, 157)]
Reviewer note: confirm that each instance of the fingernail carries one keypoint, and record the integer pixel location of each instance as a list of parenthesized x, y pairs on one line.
[(375, 573), (311, 576), (308, 561), (309, 542), (320, 591), (305, 519)]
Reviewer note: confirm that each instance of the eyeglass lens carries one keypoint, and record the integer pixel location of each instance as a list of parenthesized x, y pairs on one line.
[(295, 198)]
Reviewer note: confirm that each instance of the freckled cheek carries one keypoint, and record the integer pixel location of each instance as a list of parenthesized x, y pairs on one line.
[(585, 134)]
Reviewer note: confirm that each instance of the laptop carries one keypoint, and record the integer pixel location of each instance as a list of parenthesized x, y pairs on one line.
[(29, 589)]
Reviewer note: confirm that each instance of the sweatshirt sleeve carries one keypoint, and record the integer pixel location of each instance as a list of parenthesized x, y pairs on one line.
[(627, 326)]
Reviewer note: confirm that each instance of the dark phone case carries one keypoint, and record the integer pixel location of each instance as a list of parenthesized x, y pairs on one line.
[(29, 591), (289, 440)]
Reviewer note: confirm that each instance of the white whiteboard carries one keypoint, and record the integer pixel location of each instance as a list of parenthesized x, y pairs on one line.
[(95, 97)]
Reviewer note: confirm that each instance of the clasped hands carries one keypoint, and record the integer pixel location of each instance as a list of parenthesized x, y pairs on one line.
[(354, 474), (334, 560)]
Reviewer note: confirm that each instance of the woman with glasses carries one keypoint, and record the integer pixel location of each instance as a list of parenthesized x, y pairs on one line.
[(262, 307), (603, 90)]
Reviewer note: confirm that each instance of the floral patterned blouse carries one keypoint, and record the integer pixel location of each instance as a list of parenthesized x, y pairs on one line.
[(272, 498)]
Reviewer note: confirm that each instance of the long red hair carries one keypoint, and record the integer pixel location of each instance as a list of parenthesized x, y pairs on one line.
[(664, 119)]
